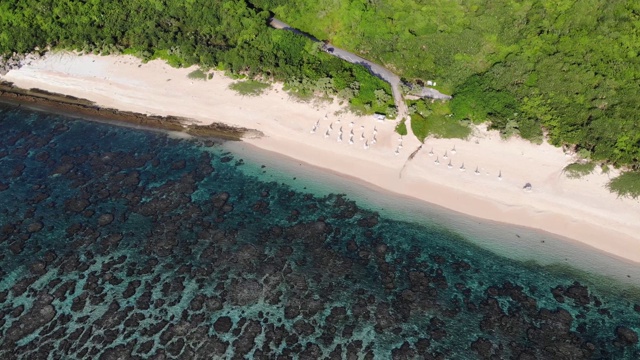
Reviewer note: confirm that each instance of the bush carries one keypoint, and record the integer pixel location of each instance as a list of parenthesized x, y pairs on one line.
[(197, 74), (435, 118), (419, 127), (401, 128), (570, 69), (578, 170), (626, 185), (249, 87)]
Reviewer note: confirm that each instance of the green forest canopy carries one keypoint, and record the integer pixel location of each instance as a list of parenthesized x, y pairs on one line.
[(568, 68), (226, 34)]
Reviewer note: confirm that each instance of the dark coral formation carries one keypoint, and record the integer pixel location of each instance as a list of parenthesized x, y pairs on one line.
[(123, 244)]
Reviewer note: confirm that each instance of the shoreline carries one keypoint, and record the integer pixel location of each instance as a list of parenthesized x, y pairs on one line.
[(39, 99), (515, 242), (581, 210)]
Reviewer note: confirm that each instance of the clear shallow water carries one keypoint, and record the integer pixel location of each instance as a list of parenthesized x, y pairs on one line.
[(122, 243), (511, 241)]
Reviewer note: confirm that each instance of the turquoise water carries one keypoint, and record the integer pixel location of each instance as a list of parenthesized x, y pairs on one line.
[(124, 243)]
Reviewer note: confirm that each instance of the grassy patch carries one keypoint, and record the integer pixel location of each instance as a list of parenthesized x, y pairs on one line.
[(578, 170), (435, 119), (401, 128), (447, 128), (249, 87), (172, 59), (298, 95), (197, 74), (626, 185), (419, 126)]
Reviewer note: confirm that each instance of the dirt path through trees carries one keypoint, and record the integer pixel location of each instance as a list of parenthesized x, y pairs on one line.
[(375, 69)]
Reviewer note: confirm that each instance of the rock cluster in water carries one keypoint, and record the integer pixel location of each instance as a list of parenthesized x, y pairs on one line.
[(125, 245)]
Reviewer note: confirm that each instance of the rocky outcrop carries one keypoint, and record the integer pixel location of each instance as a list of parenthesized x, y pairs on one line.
[(67, 104), (16, 61)]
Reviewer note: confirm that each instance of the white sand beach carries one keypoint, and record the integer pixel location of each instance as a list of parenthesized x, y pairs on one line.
[(579, 209)]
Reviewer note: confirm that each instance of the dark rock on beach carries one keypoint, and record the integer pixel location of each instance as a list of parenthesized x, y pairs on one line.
[(14, 62)]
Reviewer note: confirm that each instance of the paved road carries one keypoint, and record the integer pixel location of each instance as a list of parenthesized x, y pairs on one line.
[(275, 23), (434, 94), (377, 70)]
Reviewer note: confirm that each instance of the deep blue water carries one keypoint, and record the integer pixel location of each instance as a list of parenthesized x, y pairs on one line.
[(123, 243)]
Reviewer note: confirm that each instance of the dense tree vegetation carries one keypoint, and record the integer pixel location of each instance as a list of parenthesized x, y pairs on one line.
[(627, 184), (225, 34), (579, 169), (567, 68)]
